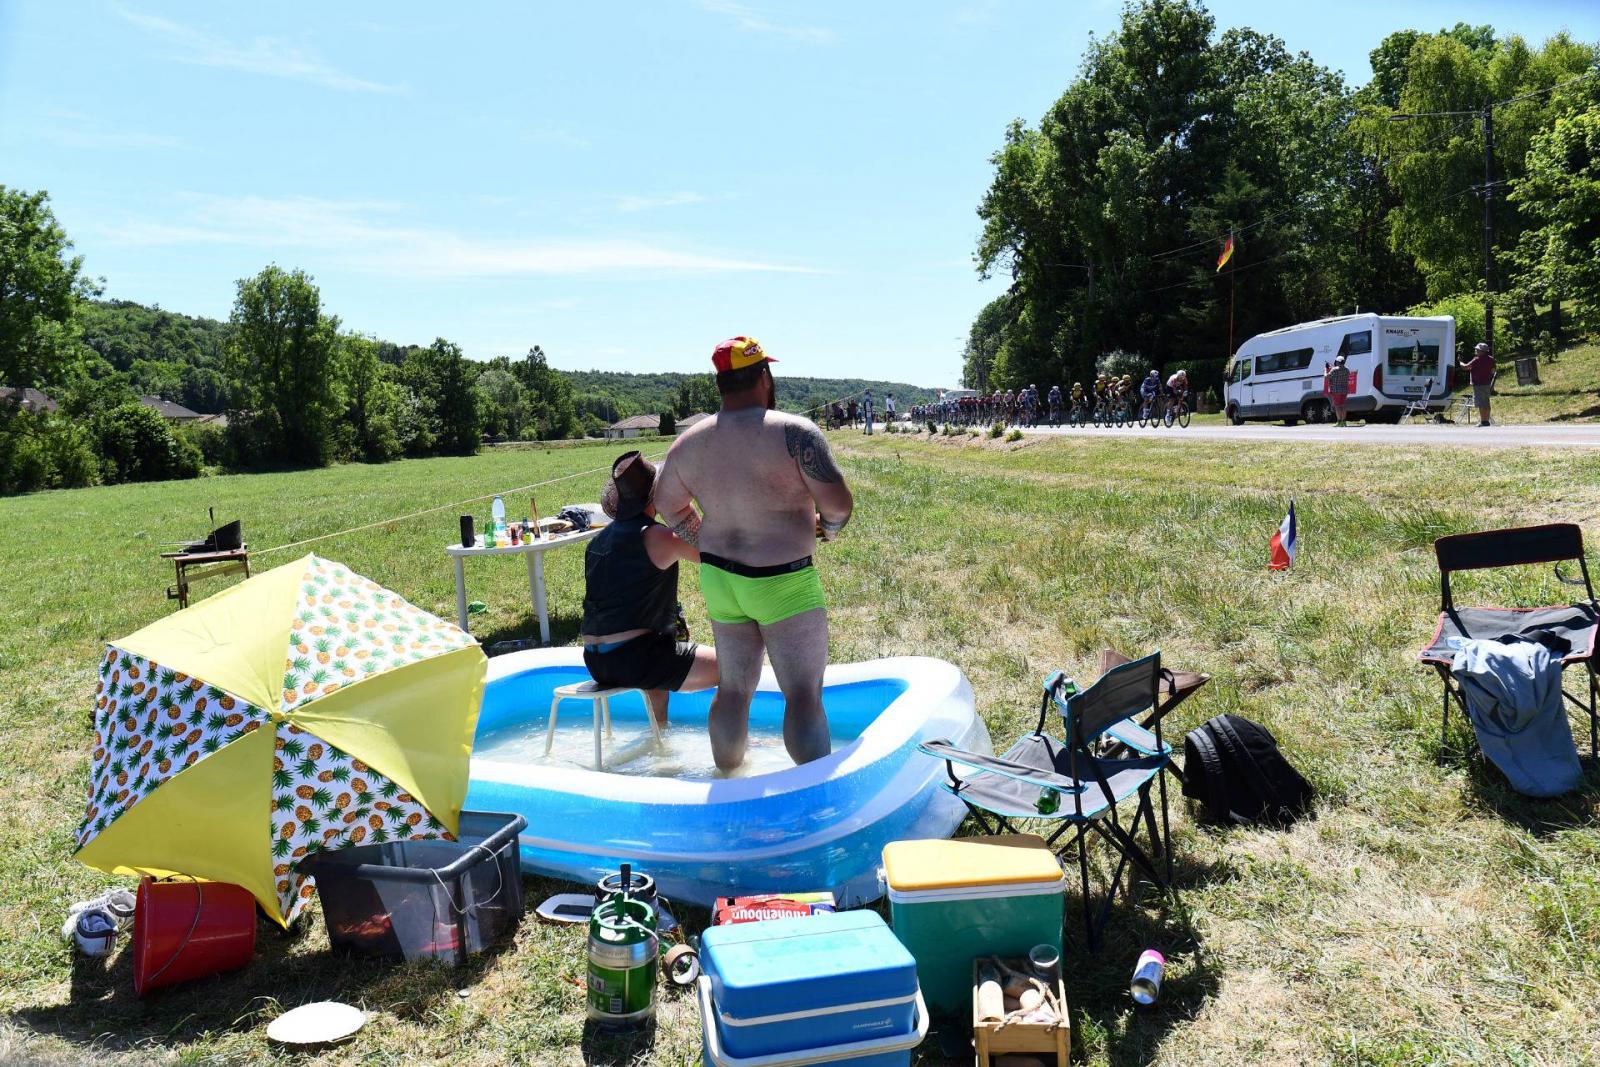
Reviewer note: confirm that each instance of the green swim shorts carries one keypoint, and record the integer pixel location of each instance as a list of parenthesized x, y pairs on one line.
[(764, 599)]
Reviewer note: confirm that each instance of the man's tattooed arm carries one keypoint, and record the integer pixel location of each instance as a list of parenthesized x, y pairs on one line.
[(831, 529), (810, 449), (688, 527)]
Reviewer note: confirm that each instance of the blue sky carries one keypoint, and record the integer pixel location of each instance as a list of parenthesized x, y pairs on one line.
[(624, 183)]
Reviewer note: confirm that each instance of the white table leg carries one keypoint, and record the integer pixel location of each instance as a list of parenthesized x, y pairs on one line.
[(536, 591), (599, 710), (461, 593)]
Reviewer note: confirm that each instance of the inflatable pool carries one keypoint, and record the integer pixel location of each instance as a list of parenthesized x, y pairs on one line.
[(701, 835)]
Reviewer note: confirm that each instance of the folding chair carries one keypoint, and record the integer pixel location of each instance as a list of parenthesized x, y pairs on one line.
[(1419, 407), (1575, 623), (1093, 772)]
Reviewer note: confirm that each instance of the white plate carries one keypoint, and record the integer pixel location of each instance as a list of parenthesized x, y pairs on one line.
[(321, 1023)]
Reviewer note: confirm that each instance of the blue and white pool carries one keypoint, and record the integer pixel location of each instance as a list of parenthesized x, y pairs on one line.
[(664, 807)]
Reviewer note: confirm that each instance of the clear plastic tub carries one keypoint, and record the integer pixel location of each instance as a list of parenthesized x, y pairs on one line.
[(424, 899)]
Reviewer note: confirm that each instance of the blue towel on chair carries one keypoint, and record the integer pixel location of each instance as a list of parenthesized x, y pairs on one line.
[(1513, 693)]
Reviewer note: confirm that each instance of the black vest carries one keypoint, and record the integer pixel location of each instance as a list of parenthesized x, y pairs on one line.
[(623, 589)]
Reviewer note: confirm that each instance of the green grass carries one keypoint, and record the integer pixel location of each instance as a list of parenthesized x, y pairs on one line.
[(1424, 915)]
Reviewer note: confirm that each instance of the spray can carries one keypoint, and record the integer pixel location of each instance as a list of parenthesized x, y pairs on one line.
[(1146, 984), (623, 947)]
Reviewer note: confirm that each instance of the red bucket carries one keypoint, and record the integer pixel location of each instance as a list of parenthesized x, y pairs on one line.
[(184, 930)]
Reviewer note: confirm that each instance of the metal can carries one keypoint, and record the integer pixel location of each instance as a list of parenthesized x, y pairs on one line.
[(1146, 984), (623, 948)]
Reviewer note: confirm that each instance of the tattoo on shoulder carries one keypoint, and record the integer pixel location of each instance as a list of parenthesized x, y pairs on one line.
[(810, 449)]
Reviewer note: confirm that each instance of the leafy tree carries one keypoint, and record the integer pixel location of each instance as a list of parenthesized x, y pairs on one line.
[(41, 287), (550, 411), (372, 400), (697, 393), (281, 363), (136, 444), (502, 400), (667, 426), (1560, 192), (443, 382)]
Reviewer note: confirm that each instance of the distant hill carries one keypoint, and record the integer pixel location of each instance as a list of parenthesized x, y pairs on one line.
[(178, 357), (640, 393)]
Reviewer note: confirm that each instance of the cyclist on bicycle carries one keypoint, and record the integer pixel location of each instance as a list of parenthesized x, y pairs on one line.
[(1178, 391), (1149, 392), (1054, 401)]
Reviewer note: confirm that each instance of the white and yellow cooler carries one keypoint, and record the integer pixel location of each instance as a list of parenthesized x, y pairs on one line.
[(952, 901)]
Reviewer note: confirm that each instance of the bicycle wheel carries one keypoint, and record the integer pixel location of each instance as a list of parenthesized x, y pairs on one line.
[(1183, 416)]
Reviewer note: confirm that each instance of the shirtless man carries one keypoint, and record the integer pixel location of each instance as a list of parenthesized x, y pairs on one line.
[(766, 484)]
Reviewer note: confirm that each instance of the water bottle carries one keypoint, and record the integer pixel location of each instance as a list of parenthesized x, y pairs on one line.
[(498, 515)]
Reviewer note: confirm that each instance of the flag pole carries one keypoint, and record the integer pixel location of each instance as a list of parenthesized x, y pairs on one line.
[(1231, 249)]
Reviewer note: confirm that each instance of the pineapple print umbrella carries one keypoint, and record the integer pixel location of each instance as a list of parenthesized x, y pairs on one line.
[(305, 708)]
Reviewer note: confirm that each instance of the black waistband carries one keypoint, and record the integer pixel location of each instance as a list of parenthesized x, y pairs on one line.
[(746, 571)]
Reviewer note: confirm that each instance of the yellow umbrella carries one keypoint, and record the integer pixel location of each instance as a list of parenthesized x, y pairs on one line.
[(306, 708)]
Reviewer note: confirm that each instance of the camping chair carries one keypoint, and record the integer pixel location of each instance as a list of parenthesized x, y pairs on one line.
[(1576, 623), (1089, 782), (1418, 408)]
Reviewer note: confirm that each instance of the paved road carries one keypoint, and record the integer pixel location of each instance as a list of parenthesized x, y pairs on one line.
[(1539, 436)]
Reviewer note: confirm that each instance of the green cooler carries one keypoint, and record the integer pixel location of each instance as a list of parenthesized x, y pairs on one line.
[(951, 901)]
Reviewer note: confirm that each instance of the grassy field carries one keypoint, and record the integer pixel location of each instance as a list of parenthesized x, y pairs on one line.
[(1425, 914)]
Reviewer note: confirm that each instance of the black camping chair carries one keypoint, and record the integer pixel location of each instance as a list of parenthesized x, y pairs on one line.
[(1573, 623), (1092, 772)]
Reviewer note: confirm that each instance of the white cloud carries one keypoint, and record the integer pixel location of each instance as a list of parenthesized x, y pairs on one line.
[(375, 236), (647, 203), (271, 56), (752, 21)]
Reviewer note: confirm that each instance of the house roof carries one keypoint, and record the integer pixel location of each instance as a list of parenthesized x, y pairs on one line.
[(28, 399), (637, 422), (167, 409), (689, 420)]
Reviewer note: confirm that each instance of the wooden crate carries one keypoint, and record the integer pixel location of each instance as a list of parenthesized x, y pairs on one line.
[(990, 1040)]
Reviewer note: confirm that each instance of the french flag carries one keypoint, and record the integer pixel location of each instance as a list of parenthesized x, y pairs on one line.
[(1283, 543)]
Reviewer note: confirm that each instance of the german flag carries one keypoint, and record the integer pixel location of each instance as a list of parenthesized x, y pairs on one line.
[(1227, 253)]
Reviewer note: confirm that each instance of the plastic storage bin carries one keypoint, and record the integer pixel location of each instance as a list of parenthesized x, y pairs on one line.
[(832, 987), (951, 901), (424, 899)]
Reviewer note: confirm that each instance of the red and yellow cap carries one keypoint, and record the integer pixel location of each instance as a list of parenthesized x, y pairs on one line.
[(737, 353)]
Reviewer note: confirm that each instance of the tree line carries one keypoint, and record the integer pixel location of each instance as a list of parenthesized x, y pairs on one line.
[(296, 387), (1110, 214)]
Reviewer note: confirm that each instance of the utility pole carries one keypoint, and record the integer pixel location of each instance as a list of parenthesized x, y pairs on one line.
[(1488, 223)]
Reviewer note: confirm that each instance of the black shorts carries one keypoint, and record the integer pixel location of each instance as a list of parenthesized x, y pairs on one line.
[(650, 661)]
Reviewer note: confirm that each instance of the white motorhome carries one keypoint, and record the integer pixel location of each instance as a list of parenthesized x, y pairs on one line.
[(1394, 361)]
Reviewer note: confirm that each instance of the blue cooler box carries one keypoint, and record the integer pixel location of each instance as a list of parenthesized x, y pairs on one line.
[(837, 988)]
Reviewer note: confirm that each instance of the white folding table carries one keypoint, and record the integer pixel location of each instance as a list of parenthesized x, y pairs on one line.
[(535, 551)]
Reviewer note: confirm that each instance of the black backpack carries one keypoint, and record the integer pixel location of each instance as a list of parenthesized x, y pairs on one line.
[(1233, 767)]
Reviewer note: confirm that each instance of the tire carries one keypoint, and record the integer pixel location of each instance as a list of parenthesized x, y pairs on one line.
[(1234, 418), (1317, 412), (1290, 420), (1183, 416)]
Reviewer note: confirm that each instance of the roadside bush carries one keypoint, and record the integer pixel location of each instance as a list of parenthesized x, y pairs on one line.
[(209, 438), (1014, 435), (136, 445), (995, 431), (1468, 311), (932, 429), (890, 427), (43, 452)]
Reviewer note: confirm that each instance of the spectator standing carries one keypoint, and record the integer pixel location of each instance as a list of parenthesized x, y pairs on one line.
[(1336, 384), (866, 410), (1481, 368)]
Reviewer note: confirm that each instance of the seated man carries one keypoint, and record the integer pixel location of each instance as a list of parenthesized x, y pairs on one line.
[(630, 596)]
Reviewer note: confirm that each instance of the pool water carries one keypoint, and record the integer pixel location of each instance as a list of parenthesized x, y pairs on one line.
[(684, 750)]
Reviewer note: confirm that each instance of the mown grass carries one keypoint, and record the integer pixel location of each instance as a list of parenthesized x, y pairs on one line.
[(1424, 915)]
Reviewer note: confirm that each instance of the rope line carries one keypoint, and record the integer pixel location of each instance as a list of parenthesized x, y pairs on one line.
[(443, 507)]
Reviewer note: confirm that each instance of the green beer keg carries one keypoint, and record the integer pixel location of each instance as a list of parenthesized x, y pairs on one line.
[(622, 962)]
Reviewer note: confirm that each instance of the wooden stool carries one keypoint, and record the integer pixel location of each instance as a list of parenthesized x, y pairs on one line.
[(204, 565), (600, 705)]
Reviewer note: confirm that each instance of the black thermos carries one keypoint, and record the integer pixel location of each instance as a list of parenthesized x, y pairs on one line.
[(468, 538)]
